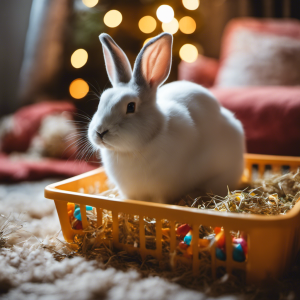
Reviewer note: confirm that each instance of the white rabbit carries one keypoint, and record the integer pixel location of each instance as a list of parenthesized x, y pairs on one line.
[(160, 143)]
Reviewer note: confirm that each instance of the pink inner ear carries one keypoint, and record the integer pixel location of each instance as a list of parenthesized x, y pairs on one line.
[(156, 62), (109, 65)]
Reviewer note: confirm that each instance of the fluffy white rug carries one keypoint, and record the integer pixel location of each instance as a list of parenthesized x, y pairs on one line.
[(29, 271)]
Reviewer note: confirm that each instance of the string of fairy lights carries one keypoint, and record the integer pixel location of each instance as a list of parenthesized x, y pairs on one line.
[(147, 24)]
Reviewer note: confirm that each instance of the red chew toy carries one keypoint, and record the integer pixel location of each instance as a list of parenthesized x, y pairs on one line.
[(77, 225), (182, 245), (217, 230), (183, 229)]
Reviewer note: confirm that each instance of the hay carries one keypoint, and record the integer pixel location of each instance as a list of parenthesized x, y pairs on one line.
[(275, 195)]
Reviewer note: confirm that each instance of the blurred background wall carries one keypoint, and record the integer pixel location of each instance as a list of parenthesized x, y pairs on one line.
[(14, 19)]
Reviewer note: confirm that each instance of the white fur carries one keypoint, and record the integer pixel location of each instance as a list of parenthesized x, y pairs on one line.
[(179, 139)]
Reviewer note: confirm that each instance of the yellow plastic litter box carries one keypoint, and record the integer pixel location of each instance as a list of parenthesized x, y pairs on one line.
[(273, 241)]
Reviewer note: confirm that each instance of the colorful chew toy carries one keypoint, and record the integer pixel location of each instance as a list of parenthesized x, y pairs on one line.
[(240, 247), (77, 214), (74, 212), (238, 253), (186, 245), (220, 243)]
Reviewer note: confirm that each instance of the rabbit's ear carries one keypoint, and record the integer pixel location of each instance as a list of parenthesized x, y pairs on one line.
[(153, 64), (117, 64)]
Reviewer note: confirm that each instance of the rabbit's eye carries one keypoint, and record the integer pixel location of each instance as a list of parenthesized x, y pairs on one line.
[(130, 108)]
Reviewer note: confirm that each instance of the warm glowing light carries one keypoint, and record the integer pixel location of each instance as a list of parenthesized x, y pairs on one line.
[(147, 40), (79, 58), (90, 3), (187, 25), (188, 53), (171, 27), (78, 88), (112, 18), (191, 4), (147, 24), (165, 13)]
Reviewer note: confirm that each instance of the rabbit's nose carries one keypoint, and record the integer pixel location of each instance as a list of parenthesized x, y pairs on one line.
[(101, 135)]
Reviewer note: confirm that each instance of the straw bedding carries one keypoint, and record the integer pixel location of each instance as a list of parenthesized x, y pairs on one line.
[(36, 263)]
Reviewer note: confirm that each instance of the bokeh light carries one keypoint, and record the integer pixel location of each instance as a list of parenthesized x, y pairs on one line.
[(79, 58), (112, 18), (191, 4), (171, 27), (187, 25), (90, 3), (147, 24), (165, 13), (78, 88), (147, 40), (188, 53)]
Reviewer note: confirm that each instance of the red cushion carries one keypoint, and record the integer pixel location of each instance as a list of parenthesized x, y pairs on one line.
[(281, 27), (19, 170), (251, 48), (203, 71), (270, 116)]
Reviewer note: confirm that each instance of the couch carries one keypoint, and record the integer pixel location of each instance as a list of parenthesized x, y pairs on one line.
[(258, 78)]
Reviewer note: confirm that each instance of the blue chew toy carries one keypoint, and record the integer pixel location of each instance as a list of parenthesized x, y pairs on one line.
[(238, 253), (220, 254), (187, 239), (77, 213)]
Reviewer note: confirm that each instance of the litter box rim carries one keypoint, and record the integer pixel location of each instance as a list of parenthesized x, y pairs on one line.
[(53, 192)]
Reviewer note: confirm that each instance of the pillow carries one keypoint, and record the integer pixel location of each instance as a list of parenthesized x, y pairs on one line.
[(260, 59), (203, 71), (270, 117)]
